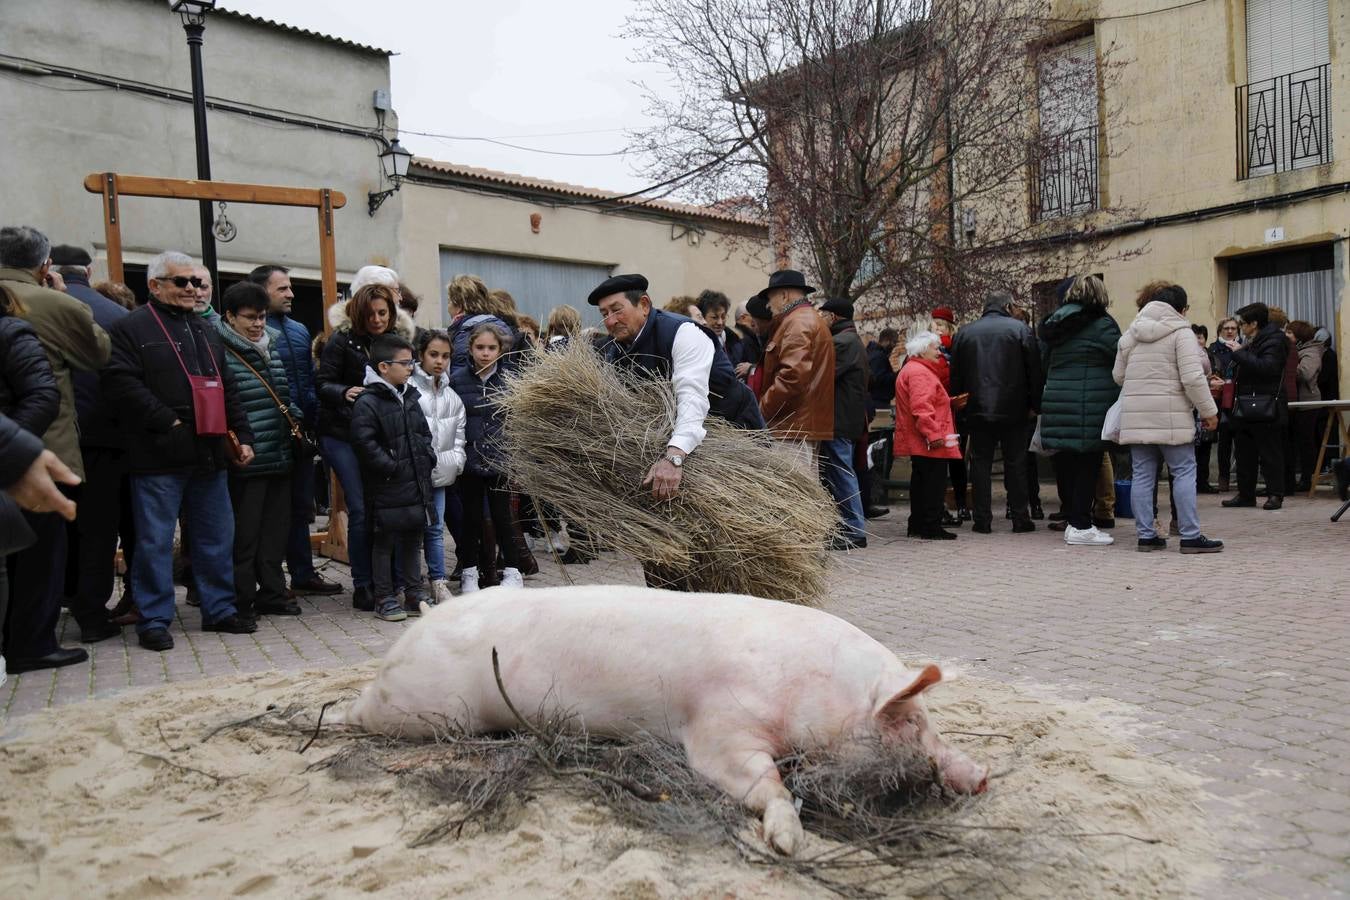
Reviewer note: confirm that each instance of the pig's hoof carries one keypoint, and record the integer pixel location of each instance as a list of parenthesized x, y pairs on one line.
[(782, 828)]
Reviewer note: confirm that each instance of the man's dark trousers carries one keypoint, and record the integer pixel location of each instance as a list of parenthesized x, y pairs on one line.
[(299, 555), (104, 513), (1013, 440)]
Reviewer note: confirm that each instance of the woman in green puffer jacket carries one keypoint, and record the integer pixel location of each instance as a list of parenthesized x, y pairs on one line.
[(260, 492), (1078, 349)]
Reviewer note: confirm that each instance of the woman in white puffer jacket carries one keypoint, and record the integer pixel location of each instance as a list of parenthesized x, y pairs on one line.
[(444, 412), (1163, 385)]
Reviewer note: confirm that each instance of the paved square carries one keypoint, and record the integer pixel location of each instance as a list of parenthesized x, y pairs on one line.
[(1236, 665)]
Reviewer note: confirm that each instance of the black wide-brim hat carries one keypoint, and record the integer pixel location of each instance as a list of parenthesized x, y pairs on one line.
[(783, 278), (786, 278)]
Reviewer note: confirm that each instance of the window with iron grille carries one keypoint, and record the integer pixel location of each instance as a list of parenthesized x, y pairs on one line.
[(1065, 163), (1284, 110)]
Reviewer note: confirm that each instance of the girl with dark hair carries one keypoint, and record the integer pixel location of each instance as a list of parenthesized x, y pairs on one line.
[(483, 466), (444, 412)]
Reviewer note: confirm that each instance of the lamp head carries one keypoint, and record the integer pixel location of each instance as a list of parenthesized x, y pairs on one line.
[(192, 12)]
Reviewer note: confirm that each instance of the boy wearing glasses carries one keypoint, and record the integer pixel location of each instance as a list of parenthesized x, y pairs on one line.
[(393, 444)]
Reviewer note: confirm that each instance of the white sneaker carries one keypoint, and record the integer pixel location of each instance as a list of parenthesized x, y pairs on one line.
[(1087, 537), (468, 580), (440, 591), (511, 578)]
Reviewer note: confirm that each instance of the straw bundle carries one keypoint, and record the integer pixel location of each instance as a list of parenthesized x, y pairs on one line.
[(581, 435)]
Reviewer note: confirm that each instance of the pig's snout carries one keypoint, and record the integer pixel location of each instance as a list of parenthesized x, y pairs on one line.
[(962, 774)]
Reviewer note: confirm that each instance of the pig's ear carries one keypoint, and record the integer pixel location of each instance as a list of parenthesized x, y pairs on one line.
[(894, 707)]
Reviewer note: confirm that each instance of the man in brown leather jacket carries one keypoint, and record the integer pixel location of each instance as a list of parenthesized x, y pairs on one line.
[(797, 391)]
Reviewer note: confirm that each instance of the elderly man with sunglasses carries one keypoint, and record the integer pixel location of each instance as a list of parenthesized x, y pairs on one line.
[(169, 379)]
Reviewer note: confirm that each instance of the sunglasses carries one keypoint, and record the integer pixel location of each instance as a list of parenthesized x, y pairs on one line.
[(181, 281)]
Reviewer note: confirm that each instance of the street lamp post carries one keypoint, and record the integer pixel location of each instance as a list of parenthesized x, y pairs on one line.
[(193, 15)]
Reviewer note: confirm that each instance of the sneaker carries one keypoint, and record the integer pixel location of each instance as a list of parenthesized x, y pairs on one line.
[(511, 578), (390, 610), (440, 592), (468, 580), (1087, 537), (1201, 544), (1148, 545)]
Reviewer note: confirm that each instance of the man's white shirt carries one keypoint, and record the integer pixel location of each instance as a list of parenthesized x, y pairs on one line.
[(691, 358)]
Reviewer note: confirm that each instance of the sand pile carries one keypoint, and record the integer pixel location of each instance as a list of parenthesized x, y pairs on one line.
[(137, 798)]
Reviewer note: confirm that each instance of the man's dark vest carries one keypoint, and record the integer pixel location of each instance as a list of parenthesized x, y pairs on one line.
[(650, 356)]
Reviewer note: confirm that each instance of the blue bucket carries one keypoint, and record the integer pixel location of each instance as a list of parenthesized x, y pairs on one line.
[(1123, 508)]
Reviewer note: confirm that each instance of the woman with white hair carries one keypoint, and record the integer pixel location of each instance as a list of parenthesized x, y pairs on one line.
[(925, 431)]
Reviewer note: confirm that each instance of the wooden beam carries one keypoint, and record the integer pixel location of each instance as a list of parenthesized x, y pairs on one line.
[(191, 189)]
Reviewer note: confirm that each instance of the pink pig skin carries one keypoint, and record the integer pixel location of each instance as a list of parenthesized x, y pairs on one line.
[(735, 680)]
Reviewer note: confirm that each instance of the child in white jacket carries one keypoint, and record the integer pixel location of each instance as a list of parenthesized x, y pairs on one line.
[(444, 412)]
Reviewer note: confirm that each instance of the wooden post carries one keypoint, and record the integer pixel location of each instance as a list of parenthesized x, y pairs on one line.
[(112, 226)]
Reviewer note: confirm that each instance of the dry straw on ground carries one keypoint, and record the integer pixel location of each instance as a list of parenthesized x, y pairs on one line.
[(581, 435)]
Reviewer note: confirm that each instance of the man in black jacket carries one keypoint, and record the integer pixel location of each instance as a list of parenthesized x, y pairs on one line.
[(850, 421), (104, 498), (996, 361), (392, 442), (167, 362), (1258, 428)]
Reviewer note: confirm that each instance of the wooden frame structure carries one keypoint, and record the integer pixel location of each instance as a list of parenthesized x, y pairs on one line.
[(113, 187)]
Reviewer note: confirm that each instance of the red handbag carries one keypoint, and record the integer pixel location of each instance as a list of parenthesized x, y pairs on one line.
[(1228, 395), (208, 391)]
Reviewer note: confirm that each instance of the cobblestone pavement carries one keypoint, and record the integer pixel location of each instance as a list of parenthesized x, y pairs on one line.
[(1235, 665)]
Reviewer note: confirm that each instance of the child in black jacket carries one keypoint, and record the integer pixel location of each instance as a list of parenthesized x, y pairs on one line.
[(393, 444)]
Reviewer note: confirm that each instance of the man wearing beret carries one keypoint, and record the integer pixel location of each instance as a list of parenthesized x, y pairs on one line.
[(653, 343), (797, 392)]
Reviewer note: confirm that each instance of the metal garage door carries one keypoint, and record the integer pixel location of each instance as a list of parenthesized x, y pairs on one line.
[(537, 285)]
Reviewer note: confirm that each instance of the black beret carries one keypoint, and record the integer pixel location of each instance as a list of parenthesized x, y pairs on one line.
[(839, 306), (616, 284), (67, 255)]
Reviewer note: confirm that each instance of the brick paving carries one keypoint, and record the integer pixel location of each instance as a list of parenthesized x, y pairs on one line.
[(1235, 666)]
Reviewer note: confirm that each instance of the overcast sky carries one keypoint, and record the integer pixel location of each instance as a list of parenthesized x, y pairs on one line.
[(529, 72)]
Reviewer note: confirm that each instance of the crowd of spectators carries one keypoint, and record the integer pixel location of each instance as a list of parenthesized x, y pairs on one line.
[(188, 439)]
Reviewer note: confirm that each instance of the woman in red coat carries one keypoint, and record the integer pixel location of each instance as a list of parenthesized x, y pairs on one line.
[(925, 431)]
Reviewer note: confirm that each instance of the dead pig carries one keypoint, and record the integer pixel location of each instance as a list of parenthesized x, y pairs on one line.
[(736, 681)]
